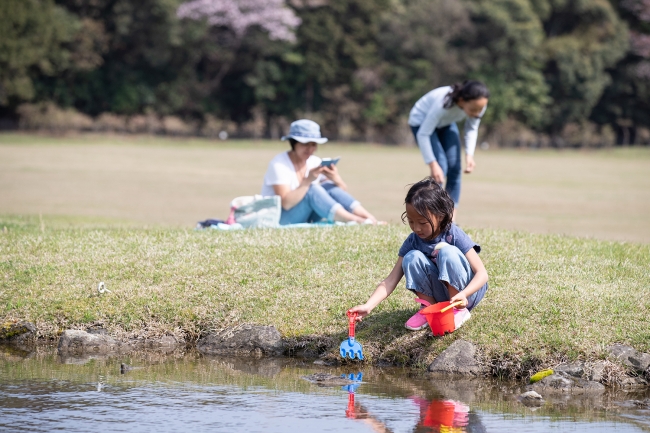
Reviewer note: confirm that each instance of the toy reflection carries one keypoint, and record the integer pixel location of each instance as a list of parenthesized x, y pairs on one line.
[(444, 416)]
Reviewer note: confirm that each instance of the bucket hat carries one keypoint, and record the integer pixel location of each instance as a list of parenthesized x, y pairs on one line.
[(305, 131)]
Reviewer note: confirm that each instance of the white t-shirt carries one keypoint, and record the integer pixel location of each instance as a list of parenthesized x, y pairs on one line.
[(282, 172)]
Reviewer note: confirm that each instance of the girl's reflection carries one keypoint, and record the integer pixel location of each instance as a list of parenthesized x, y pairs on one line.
[(445, 416)]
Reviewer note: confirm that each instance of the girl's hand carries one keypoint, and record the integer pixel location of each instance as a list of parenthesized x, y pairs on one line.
[(460, 296), (361, 310), (469, 163)]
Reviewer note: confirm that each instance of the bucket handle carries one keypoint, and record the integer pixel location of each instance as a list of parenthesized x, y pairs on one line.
[(453, 304)]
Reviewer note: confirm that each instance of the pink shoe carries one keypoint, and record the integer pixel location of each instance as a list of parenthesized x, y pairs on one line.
[(418, 321)]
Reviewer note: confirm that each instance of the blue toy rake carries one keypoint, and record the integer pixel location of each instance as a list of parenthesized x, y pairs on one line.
[(351, 348)]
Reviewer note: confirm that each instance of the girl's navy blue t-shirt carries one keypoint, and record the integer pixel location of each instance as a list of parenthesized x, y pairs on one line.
[(454, 236)]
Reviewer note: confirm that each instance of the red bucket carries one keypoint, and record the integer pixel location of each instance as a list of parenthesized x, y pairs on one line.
[(440, 323)]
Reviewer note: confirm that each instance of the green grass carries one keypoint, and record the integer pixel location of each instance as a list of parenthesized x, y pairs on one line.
[(550, 298), (83, 209)]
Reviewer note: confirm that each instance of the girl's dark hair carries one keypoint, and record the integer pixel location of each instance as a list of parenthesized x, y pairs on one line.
[(430, 199), (293, 142), (468, 90)]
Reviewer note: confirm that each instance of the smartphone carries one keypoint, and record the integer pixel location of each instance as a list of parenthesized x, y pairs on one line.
[(328, 162)]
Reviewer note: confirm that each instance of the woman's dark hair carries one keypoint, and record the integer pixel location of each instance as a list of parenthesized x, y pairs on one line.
[(467, 90), (293, 142), (429, 199)]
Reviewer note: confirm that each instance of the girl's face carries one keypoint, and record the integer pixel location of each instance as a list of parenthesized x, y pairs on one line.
[(419, 224), (305, 150), (474, 107)]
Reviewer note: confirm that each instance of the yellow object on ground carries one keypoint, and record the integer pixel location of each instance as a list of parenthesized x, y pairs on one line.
[(540, 375)]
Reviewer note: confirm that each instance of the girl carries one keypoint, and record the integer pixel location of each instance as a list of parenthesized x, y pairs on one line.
[(309, 190), (433, 122), (440, 261)]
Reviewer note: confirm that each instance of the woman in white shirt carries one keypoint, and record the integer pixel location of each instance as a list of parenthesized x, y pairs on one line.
[(310, 192), (433, 121)]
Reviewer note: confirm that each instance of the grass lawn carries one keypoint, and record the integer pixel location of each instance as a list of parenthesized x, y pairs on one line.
[(551, 297)]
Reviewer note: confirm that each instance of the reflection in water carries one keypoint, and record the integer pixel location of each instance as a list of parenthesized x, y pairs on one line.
[(444, 416), (192, 392)]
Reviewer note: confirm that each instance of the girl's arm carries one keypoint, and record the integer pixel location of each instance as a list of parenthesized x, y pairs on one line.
[(383, 291), (479, 280)]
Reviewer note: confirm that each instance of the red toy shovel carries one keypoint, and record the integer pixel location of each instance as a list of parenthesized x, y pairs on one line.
[(350, 348)]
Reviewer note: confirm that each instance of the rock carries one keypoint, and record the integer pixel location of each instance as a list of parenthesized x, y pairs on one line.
[(326, 379), (563, 383), (641, 404), (459, 358), (97, 331), (630, 357), (244, 340), (634, 382), (17, 332), (596, 371), (531, 398), (125, 368), (166, 343), (75, 342), (575, 369)]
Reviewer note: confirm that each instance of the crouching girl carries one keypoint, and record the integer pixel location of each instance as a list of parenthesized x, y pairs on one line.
[(439, 260)]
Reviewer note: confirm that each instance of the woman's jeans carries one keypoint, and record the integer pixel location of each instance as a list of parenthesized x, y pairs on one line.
[(321, 201), (445, 143), (427, 276)]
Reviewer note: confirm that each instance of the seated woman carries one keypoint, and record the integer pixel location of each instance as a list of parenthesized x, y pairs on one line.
[(310, 192)]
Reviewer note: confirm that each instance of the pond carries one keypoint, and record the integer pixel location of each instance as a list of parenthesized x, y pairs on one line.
[(40, 391)]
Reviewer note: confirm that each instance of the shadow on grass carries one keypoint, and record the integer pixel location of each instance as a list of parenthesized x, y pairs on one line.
[(384, 338)]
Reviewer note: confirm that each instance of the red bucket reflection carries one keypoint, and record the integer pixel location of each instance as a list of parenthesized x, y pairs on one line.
[(443, 415)]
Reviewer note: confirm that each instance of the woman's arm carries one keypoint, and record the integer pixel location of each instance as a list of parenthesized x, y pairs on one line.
[(383, 291), (479, 280), (332, 173), (292, 198), (470, 137)]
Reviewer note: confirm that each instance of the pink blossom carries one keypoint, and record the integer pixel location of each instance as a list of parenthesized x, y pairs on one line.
[(643, 70), (640, 44), (639, 7), (238, 15)]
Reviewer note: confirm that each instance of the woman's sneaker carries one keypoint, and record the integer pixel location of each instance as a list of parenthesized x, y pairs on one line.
[(418, 321)]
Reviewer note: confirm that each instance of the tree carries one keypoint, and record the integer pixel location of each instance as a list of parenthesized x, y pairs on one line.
[(583, 40), (508, 57), (34, 38), (626, 102), (234, 18)]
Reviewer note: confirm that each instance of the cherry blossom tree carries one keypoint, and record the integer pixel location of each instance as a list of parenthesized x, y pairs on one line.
[(236, 17)]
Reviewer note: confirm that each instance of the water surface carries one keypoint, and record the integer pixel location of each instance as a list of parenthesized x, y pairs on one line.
[(187, 392)]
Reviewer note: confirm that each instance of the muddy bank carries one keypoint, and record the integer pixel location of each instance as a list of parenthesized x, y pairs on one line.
[(624, 367)]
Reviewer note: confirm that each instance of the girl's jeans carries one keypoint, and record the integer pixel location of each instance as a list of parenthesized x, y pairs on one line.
[(426, 276), (321, 201), (445, 143)]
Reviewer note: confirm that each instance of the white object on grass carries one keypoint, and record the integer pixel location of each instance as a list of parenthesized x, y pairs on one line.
[(101, 288)]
